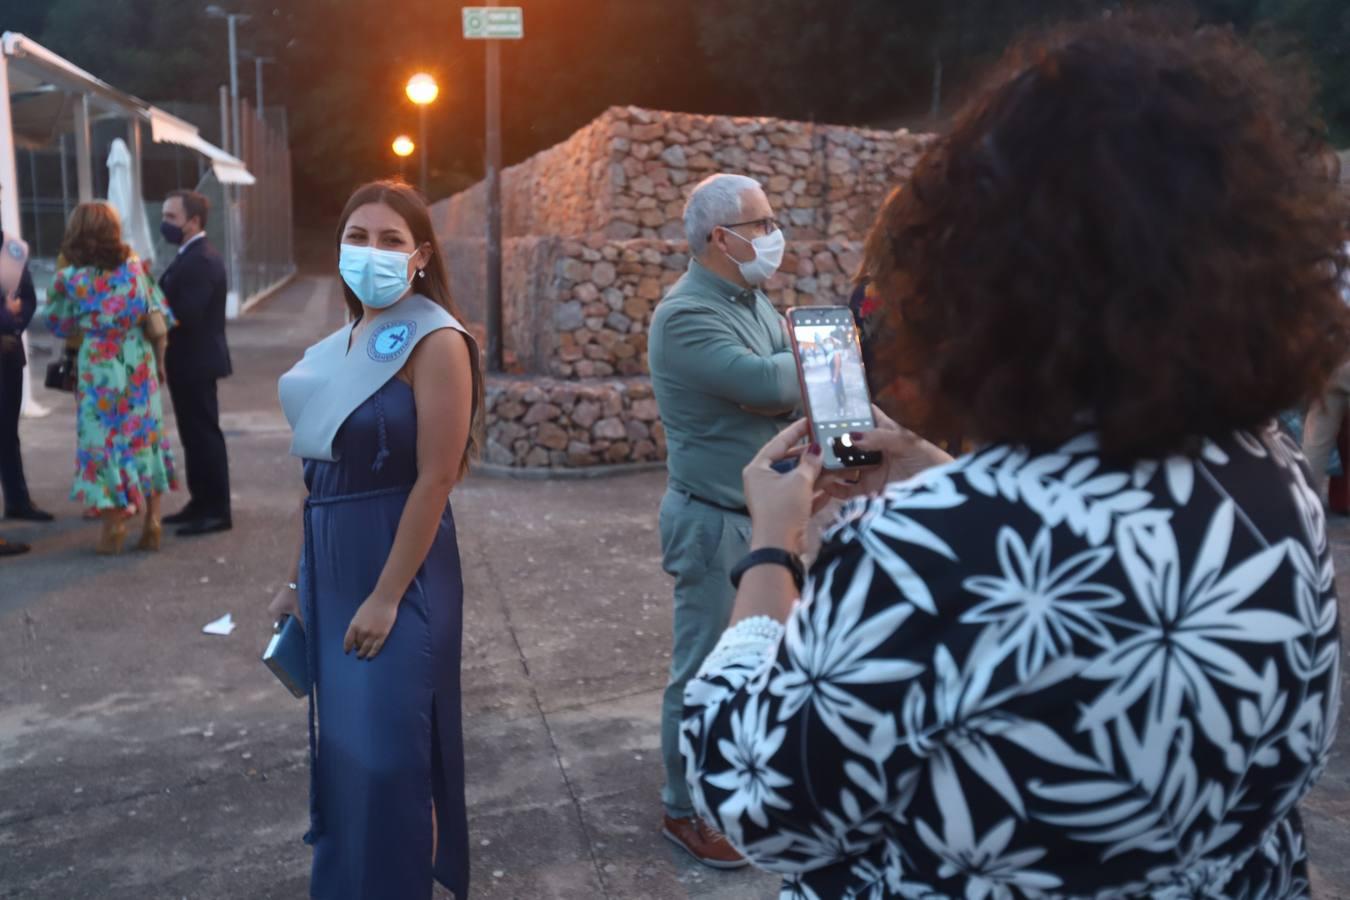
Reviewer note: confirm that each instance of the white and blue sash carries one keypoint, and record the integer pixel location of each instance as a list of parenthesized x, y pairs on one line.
[(331, 381)]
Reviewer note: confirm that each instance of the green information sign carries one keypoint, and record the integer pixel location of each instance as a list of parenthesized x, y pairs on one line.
[(494, 22)]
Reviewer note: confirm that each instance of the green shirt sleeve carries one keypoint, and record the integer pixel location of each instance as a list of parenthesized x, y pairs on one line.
[(702, 352)]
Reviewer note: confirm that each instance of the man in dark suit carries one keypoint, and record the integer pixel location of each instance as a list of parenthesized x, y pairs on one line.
[(197, 358), (18, 303)]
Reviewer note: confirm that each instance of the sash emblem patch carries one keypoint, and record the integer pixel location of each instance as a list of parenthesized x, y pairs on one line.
[(391, 340)]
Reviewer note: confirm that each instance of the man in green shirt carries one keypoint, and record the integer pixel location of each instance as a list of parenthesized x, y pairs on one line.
[(726, 382)]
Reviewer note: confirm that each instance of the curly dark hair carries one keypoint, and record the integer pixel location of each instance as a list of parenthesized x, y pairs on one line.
[(94, 238), (1117, 229)]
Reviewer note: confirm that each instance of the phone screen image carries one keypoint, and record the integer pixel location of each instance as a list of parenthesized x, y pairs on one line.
[(833, 381)]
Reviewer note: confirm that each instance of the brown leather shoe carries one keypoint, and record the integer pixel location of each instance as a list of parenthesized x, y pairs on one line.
[(13, 548), (703, 842)]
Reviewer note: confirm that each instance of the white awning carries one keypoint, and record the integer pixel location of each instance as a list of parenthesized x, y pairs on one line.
[(35, 70), (168, 128), (37, 65)]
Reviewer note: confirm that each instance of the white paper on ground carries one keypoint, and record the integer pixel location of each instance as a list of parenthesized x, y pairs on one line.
[(223, 626)]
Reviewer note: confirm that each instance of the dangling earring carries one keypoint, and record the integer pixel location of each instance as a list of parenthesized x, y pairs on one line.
[(421, 273)]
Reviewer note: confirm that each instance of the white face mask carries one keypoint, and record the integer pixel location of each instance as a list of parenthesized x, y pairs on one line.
[(768, 256), (378, 278)]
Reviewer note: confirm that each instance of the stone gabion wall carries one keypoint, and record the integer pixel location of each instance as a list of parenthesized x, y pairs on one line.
[(594, 239), (581, 309), (551, 423), (558, 191), (606, 292), (627, 173)]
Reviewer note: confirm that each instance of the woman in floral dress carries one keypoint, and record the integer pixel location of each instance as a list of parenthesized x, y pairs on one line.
[(123, 463)]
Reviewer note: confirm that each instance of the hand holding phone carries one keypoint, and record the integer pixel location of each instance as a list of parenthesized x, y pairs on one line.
[(833, 383)]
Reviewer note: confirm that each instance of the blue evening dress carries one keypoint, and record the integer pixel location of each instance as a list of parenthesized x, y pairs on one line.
[(389, 739)]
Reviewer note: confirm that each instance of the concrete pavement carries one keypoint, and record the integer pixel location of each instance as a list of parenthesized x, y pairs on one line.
[(140, 758)]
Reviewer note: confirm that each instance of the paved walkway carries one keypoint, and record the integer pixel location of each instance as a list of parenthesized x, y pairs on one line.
[(140, 758)]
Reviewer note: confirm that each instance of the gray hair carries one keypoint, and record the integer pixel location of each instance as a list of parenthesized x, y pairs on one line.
[(716, 200)]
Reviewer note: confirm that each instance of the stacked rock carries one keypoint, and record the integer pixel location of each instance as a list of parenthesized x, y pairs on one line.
[(608, 290), (626, 175), (552, 423), (594, 238)]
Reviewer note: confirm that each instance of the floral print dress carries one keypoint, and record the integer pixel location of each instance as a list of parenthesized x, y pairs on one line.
[(1045, 676), (122, 453)]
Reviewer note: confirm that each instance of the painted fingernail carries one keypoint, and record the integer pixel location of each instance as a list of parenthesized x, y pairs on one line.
[(855, 435), (815, 450)]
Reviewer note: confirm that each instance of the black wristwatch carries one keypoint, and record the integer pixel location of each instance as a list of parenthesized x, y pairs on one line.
[(769, 556)]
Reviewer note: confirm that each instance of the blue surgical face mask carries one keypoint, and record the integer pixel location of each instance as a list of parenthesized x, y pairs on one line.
[(378, 278)]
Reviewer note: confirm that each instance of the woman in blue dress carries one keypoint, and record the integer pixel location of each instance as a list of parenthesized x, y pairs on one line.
[(384, 416)]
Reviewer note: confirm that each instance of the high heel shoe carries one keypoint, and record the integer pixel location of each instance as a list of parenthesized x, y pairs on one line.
[(151, 536), (111, 540)]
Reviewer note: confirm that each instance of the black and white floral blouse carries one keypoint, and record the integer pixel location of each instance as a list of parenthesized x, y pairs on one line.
[(1038, 676)]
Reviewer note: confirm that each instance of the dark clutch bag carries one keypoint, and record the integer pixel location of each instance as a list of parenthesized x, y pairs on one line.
[(286, 657), (61, 374)]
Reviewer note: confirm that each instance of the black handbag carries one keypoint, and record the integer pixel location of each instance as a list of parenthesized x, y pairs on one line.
[(61, 374)]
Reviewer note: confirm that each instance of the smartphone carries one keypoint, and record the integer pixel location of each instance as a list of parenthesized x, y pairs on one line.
[(833, 382)]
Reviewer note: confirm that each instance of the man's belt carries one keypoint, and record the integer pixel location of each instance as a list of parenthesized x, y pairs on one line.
[(737, 510)]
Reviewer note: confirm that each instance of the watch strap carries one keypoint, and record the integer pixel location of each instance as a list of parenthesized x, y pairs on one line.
[(775, 556)]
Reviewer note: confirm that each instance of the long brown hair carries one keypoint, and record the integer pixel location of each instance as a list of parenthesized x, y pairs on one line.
[(408, 203), (94, 237)]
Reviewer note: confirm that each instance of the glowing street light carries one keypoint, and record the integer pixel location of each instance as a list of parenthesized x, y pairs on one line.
[(403, 148), (423, 91)]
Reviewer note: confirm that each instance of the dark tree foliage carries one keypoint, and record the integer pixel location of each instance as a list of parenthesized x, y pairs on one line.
[(341, 64)]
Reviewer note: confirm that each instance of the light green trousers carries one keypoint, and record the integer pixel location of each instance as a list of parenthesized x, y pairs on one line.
[(699, 546)]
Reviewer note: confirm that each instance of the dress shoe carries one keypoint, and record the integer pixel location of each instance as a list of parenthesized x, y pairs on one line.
[(112, 540), (29, 514), (183, 516), (12, 548), (703, 842), (205, 526), (152, 535)]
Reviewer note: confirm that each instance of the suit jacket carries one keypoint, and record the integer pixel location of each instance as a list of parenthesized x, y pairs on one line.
[(12, 327), (194, 285)]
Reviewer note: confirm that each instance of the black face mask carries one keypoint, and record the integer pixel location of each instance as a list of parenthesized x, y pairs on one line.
[(172, 233)]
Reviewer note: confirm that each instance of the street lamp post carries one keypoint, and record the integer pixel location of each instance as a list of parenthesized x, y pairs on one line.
[(403, 147), (422, 90), (232, 19), (236, 138), (233, 224), (493, 148), (258, 62)]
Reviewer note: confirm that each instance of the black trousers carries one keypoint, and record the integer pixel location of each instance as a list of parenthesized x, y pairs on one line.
[(11, 463), (197, 408)]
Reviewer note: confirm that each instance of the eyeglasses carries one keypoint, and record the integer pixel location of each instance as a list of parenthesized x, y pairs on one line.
[(764, 226)]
